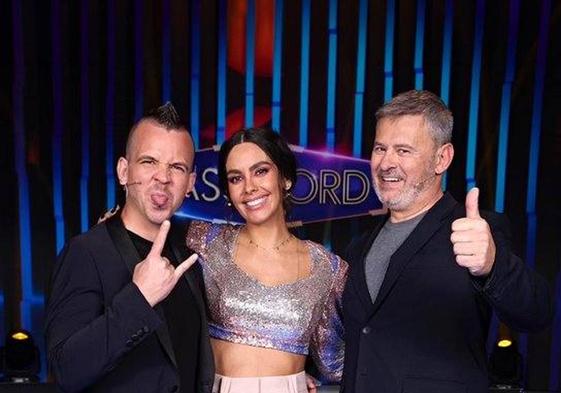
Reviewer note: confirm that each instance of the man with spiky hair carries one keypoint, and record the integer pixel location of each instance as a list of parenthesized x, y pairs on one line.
[(126, 314)]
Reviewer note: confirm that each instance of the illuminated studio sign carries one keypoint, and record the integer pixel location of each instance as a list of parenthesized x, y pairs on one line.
[(328, 187)]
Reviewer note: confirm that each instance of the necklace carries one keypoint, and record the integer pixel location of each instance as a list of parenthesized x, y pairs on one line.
[(258, 274), (275, 247)]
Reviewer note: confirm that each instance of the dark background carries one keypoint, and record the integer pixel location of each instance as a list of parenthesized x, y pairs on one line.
[(82, 71)]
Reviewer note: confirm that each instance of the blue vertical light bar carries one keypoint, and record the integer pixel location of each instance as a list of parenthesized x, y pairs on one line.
[(249, 62), (474, 95), (221, 83), (138, 60), (277, 66), (537, 108), (360, 77), (388, 52), (304, 73), (419, 44), (85, 115), (514, 18), (447, 34), (58, 123), (166, 51), (503, 132), (533, 160), (331, 93), (195, 70), (331, 76), (110, 106), (18, 83)]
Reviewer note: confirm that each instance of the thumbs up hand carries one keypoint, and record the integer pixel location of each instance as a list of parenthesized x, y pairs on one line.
[(472, 239), (155, 276)]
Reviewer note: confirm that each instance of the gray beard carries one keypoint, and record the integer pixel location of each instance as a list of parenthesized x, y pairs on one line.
[(407, 196)]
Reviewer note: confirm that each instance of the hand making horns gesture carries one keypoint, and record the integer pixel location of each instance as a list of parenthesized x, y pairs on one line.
[(155, 276)]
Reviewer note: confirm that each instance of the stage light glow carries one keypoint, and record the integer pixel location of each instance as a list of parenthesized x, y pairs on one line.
[(19, 358), (504, 343), (20, 336)]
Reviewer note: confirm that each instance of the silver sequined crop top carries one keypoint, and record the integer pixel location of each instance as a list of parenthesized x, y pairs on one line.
[(303, 317)]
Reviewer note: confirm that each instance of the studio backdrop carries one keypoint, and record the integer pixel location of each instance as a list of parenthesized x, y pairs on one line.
[(75, 75)]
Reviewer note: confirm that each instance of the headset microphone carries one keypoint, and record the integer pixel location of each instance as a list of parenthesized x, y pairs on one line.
[(133, 183), (426, 179)]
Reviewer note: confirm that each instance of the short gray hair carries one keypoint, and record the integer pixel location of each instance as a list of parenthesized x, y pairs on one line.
[(436, 114)]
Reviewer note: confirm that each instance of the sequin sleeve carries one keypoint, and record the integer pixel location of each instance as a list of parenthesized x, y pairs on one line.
[(197, 236), (327, 346)]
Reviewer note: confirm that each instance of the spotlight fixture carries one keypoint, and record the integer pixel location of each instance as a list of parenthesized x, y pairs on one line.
[(19, 358), (505, 366)]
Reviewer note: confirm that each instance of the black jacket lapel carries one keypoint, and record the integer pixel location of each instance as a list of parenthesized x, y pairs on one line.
[(417, 239), (181, 252), (194, 278), (122, 241), (129, 254)]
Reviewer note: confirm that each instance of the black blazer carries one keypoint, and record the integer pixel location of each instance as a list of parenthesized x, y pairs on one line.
[(102, 335), (427, 330)]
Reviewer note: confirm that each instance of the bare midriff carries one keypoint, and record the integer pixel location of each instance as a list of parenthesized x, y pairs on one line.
[(239, 360)]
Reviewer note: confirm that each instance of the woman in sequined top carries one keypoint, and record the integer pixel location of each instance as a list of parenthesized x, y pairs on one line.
[(273, 299)]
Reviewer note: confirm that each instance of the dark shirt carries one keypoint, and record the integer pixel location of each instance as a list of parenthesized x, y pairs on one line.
[(183, 320)]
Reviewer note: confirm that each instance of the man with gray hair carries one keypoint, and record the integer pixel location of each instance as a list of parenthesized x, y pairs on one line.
[(423, 283)]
